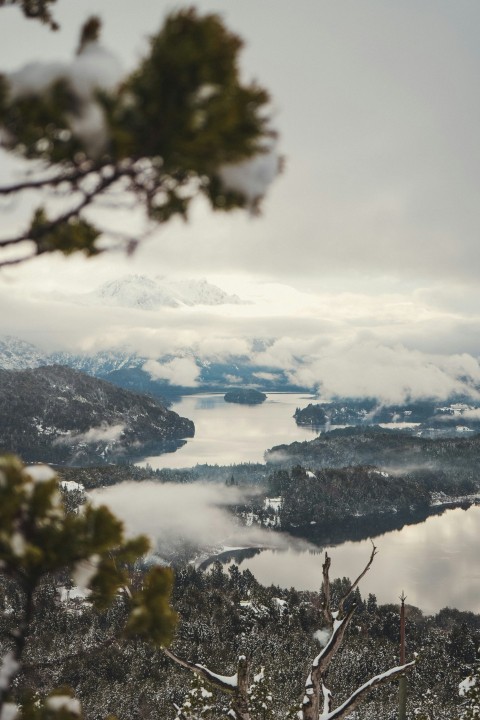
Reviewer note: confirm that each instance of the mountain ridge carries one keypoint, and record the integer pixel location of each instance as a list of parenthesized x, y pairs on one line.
[(59, 415), (142, 292)]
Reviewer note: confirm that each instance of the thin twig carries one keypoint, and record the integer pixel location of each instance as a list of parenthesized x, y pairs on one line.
[(355, 583)]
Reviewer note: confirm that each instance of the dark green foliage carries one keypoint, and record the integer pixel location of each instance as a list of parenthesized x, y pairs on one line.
[(38, 536), (38, 125), (187, 94), (70, 236), (36, 9), (166, 133), (245, 397), (152, 618), (41, 544)]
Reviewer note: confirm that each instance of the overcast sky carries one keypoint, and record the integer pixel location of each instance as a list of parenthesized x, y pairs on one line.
[(373, 226)]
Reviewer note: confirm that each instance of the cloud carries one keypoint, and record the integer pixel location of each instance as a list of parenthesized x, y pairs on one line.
[(194, 513), (179, 371), (394, 374), (101, 434)]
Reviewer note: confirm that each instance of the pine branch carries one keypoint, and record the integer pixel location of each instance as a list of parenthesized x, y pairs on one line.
[(68, 177)]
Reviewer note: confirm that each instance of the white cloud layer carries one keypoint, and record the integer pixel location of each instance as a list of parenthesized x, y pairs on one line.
[(193, 513), (180, 371), (375, 221)]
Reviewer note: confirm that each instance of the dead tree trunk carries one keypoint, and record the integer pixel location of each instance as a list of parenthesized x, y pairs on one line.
[(317, 701), (235, 685)]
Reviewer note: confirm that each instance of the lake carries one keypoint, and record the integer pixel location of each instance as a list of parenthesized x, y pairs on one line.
[(229, 433), (436, 563)]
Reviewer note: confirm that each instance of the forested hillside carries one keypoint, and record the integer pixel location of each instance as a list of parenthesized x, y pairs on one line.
[(227, 613), (58, 415), (454, 459)]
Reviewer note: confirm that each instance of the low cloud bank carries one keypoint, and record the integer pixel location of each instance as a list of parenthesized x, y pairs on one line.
[(101, 434), (195, 514), (179, 371)]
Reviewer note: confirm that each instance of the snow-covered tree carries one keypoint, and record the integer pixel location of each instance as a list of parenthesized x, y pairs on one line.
[(317, 703), (39, 539), (469, 691), (182, 124)]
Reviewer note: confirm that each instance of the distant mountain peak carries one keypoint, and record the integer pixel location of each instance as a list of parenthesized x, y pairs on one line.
[(16, 354), (135, 291), (147, 293)]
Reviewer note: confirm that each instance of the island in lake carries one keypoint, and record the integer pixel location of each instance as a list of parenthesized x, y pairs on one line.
[(245, 397)]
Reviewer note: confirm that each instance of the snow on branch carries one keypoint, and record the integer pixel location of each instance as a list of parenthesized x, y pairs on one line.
[(86, 125), (344, 710), (221, 682)]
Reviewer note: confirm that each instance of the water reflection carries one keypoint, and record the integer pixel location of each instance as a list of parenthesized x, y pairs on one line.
[(227, 433), (436, 563)]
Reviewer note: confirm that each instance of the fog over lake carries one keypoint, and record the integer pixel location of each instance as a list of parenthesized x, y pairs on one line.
[(228, 433)]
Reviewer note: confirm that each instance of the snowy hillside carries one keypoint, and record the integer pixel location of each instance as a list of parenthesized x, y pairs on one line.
[(145, 293), (100, 364), (56, 414), (123, 367), (16, 354)]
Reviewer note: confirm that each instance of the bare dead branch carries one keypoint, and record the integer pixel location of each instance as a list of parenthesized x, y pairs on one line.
[(212, 678), (314, 683), (88, 198), (72, 177), (18, 260), (327, 609), (344, 710), (355, 583), (236, 686), (323, 659)]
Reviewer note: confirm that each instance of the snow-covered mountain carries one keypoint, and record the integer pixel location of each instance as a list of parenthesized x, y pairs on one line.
[(125, 368), (16, 354), (99, 364), (146, 293)]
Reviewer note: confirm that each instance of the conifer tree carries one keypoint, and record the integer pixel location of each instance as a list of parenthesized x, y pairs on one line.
[(252, 701), (182, 124), (39, 539)]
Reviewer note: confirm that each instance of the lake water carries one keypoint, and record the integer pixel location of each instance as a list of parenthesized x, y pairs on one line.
[(228, 433), (436, 564)]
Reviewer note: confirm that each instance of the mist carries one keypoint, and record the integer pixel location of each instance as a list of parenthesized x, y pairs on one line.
[(197, 515)]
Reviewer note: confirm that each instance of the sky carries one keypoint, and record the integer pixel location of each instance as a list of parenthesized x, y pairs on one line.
[(362, 270)]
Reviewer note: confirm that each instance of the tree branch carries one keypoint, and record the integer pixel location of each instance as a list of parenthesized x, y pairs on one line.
[(355, 583), (71, 177), (214, 680), (327, 609), (344, 710), (314, 683)]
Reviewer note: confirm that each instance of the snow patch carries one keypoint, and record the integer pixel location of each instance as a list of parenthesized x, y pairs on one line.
[(64, 702)]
